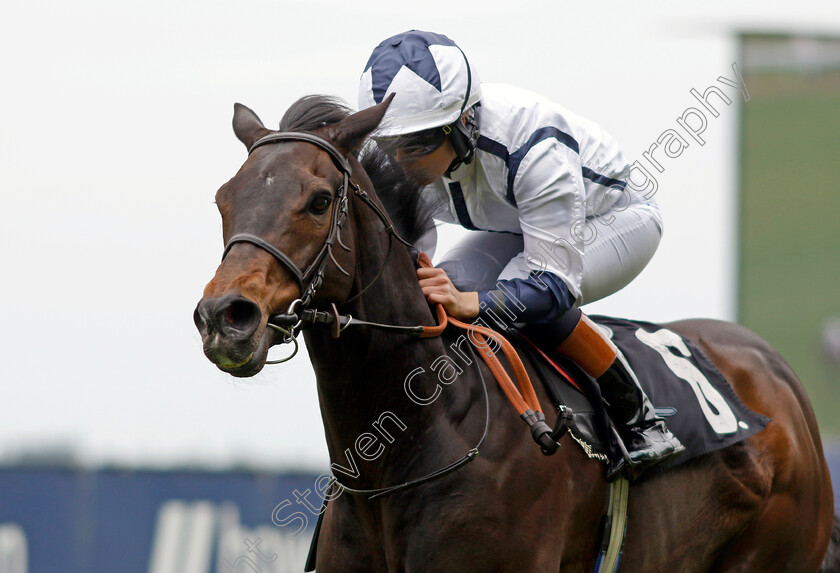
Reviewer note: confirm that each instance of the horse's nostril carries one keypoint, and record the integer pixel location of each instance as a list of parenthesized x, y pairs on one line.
[(201, 316), (231, 316), (240, 315)]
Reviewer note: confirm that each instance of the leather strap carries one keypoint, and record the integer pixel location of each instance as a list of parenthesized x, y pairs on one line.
[(262, 243), (339, 159), (523, 400)]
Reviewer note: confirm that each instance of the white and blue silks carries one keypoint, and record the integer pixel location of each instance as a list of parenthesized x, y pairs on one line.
[(561, 226)]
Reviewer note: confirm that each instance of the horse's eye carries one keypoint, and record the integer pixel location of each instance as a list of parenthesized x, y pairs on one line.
[(320, 203)]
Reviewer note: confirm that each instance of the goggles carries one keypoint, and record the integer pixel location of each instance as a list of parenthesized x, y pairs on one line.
[(414, 144)]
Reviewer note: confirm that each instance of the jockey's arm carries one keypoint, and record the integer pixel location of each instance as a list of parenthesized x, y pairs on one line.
[(542, 297), (543, 282)]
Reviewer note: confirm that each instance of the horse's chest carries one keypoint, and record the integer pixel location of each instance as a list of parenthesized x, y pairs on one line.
[(437, 536)]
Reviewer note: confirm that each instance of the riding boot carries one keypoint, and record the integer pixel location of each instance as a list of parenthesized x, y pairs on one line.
[(644, 434)]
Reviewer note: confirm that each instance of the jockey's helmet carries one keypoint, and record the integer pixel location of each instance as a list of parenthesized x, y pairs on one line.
[(434, 86)]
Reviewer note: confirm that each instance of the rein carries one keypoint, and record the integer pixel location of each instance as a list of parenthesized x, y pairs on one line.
[(468, 457)]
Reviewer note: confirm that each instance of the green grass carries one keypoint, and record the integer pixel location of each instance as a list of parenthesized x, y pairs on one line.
[(790, 230)]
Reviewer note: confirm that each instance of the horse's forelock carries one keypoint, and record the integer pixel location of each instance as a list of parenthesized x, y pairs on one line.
[(312, 112)]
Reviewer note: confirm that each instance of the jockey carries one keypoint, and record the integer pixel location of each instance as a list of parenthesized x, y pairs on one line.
[(545, 192)]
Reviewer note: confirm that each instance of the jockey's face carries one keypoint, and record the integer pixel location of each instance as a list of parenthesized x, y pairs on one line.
[(429, 167)]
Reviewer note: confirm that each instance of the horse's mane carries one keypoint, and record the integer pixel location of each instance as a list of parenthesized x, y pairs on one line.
[(400, 195)]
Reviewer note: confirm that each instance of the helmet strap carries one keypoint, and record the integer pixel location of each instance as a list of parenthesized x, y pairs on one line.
[(464, 131), (464, 137)]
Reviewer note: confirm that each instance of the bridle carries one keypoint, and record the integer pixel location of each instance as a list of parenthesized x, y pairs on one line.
[(312, 278)]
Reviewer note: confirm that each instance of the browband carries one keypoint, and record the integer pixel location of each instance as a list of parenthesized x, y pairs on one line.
[(337, 157)]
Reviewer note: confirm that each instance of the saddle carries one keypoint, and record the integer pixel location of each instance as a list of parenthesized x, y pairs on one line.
[(696, 401)]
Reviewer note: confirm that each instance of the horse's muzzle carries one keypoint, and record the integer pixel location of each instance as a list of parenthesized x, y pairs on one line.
[(228, 326)]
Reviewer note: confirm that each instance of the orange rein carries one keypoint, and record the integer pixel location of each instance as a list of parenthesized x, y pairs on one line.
[(522, 401)]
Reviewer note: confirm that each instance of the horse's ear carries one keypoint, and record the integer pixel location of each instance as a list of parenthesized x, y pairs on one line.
[(247, 126), (349, 134)]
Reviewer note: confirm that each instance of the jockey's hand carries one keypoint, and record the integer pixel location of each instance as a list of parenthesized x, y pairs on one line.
[(437, 288)]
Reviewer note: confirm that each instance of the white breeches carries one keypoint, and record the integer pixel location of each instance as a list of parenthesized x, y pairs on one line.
[(614, 255)]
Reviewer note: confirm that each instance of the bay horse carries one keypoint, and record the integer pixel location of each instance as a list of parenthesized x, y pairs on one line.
[(303, 220)]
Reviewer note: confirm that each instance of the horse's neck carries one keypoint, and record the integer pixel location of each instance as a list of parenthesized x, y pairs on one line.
[(362, 375)]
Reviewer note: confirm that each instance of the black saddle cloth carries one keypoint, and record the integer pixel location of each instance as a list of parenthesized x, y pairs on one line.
[(696, 401)]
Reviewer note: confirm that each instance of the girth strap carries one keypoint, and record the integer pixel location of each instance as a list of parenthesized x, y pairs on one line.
[(614, 528)]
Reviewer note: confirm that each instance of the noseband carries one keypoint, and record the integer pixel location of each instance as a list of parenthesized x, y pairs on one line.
[(311, 279)]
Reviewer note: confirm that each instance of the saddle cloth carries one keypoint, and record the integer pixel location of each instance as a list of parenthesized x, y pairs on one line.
[(686, 389)]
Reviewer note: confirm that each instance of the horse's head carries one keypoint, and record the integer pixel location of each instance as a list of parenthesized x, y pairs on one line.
[(281, 219)]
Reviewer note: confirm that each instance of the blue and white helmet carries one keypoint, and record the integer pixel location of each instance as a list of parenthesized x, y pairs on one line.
[(431, 77)]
